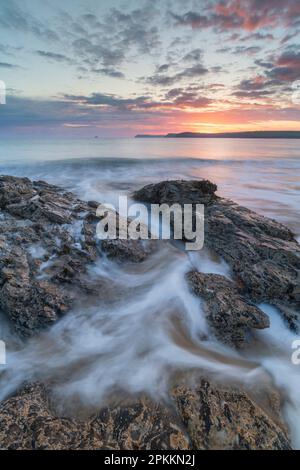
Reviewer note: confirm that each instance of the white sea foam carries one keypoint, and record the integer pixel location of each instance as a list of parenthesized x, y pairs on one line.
[(37, 251)]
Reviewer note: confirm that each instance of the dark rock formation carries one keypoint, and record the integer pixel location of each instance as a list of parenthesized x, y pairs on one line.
[(225, 418), (197, 417), (179, 192), (47, 240), (263, 254), (125, 250), (230, 315)]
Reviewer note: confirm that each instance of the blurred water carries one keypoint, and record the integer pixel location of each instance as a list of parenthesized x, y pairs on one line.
[(261, 174)]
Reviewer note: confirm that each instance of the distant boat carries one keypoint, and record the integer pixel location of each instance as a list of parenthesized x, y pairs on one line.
[(96, 137)]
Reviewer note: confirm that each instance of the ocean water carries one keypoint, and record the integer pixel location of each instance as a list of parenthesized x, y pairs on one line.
[(261, 174), (153, 327)]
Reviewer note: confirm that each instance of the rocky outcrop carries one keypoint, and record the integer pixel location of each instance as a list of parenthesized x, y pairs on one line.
[(47, 241), (229, 314), (178, 192), (125, 250), (263, 254), (228, 419), (197, 417)]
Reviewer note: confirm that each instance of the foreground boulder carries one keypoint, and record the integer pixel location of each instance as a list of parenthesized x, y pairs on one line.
[(229, 314), (178, 192), (263, 254), (47, 241), (197, 417)]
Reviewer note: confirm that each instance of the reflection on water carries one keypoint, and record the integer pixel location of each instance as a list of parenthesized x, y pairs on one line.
[(219, 149)]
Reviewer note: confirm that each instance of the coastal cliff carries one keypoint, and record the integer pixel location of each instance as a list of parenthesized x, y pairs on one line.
[(226, 135)]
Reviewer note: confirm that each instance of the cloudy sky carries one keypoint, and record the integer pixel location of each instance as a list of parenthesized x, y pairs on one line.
[(114, 68)]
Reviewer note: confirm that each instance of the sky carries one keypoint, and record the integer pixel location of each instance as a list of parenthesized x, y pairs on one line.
[(115, 69)]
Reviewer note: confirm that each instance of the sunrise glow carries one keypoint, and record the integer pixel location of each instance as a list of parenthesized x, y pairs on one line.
[(210, 66)]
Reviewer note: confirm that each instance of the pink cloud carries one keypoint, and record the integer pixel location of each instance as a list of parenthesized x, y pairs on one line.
[(248, 15)]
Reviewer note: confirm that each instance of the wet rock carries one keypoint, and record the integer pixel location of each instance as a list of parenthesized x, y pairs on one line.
[(229, 314), (35, 201), (122, 248), (143, 425), (28, 421), (198, 417), (127, 250), (263, 254), (34, 307), (48, 241), (228, 419), (290, 315), (15, 190)]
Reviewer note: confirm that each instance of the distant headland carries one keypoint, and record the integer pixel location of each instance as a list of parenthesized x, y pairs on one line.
[(226, 135)]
